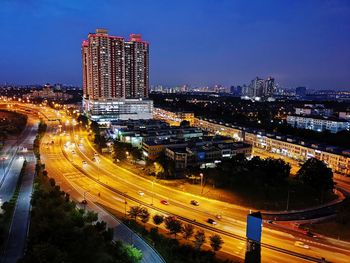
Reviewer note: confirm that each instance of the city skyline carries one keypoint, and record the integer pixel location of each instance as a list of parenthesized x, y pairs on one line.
[(206, 43)]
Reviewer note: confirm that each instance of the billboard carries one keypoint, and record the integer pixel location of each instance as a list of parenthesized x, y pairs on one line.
[(254, 227)]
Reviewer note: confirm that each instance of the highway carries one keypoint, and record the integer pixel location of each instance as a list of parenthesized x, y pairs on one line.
[(108, 184)]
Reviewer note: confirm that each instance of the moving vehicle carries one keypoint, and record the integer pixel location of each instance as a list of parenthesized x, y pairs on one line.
[(84, 163), (141, 193), (164, 202), (84, 202), (301, 244), (194, 202), (211, 221)]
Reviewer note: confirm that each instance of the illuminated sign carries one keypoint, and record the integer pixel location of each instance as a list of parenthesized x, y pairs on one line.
[(254, 227)]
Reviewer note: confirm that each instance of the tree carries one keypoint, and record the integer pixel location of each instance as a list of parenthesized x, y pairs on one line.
[(199, 239), (134, 254), (90, 217), (158, 219), (216, 242), (184, 123), (135, 153), (317, 175), (187, 231), (134, 212), (144, 215), (173, 225)]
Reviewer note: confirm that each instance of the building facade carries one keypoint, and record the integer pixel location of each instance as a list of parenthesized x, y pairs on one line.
[(318, 123), (337, 159), (115, 76)]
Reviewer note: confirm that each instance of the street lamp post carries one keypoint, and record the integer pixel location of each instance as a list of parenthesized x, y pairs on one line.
[(125, 202), (152, 190), (201, 175), (288, 198), (85, 194), (85, 198)]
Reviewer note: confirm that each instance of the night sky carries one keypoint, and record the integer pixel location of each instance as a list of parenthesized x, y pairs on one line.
[(192, 42)]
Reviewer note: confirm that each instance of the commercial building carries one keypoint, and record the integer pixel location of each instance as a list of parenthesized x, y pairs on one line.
[(173, 118), (115, 77), (155, 131), (314, 109), (337, 159), (205, 154), (318, 123), (201, 152)]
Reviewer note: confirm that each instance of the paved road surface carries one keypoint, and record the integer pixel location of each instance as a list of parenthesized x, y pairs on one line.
[(19, 227)]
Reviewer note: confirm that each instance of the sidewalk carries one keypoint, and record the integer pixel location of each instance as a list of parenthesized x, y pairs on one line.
[(16, 242)]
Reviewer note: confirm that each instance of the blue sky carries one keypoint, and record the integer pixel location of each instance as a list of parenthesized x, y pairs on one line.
[(198, 42)]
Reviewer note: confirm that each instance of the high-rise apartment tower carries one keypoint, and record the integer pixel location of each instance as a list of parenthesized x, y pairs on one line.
[(115, 75)]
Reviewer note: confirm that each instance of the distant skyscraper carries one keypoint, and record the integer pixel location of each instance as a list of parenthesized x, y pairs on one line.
[(256, 88), (269, 87), (115, 70), (259, 88)]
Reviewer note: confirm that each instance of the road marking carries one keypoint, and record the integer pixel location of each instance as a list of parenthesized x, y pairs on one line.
[(73, 175)]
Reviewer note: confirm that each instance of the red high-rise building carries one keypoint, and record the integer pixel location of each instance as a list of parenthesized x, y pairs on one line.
[(115, 77), (115, 68)]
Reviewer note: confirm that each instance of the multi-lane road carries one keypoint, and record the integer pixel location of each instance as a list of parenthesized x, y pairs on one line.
[(70, 161)]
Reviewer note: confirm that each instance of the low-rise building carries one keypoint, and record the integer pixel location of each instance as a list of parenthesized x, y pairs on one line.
[(318, 123), (138, 135), (205, 153), (314, 110)]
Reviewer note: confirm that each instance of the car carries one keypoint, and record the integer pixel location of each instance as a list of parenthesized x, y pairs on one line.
[(164, 202), (96, 154), (84, 163), (211, 221), (93, 159), (301, 244), (141, 193), (73, 152), (84, 202), (218, 216), (194, 202)]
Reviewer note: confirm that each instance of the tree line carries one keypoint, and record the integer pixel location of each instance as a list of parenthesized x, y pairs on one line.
[(175, 227), (62, 232)]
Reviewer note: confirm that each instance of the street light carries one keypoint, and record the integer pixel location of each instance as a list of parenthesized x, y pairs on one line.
[(152, 190), (125, 202), (288, 197), (201, 175)]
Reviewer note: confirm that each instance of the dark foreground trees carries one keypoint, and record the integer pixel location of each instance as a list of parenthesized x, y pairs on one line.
[(60, 232), (315, 174)]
